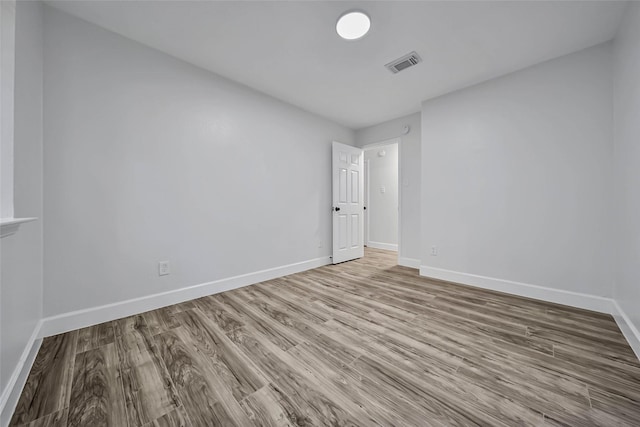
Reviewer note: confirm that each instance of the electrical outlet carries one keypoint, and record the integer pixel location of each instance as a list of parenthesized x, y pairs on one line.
[(320, 243), (434, 251), (163, 268)]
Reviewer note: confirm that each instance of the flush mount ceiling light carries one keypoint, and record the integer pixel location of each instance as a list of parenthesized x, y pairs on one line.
[(353, 25)]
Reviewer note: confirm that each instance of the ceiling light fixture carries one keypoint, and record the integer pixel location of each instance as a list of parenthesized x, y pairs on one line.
[(353, 25)]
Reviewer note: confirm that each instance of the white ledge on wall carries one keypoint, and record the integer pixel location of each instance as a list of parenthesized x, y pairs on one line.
[(9, 226)]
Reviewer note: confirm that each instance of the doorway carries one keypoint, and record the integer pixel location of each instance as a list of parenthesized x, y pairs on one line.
[(382, 195), (348, 202)]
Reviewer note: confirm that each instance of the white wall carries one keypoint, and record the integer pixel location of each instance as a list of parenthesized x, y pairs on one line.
[(627, 166), (7, 73), (148, 158), (21, 253), (516, 177), (409, 251), (382, 207)]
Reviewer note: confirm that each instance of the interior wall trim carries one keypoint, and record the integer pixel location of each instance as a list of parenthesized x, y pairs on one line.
[(573, 299), (409, 262), (66, 322), (11, 393), (629, 330), (82, 318), (92, 316), (383, 246)]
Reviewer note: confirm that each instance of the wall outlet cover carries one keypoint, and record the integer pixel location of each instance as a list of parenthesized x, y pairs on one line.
[(163, 268)]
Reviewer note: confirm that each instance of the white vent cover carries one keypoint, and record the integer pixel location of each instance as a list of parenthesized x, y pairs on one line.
[(403, 63)]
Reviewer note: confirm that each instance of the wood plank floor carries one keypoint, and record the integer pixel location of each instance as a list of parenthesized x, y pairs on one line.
[(363, 343)]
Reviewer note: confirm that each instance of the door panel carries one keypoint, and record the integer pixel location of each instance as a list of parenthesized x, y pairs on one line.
[(342, 198), (355, 230), (348, 185), (342, 225), (355, 180)]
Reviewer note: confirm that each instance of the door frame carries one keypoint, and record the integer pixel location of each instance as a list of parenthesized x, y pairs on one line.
[(396, 140), (367, 196)]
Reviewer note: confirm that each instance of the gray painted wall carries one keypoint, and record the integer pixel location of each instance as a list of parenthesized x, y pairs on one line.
[(148, 158), (21, 253), (516, 176), (626, 165)]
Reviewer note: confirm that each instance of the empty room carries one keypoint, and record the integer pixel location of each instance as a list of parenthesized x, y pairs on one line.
[(319, 213)]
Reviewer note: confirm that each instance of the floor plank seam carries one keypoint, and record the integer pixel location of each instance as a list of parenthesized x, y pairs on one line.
[(350, 364), (126, 407)]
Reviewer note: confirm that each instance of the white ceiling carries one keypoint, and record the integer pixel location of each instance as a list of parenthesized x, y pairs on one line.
[(290, 50)]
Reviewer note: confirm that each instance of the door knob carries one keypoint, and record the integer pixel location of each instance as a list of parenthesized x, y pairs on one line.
[(337, 208)]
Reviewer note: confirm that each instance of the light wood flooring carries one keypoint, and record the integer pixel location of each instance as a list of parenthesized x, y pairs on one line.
[(363, 343)]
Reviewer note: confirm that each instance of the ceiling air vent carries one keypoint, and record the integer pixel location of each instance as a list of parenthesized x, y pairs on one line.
[(406, 61)]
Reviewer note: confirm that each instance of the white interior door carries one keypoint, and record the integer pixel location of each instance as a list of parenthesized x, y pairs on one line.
[(348, 204)]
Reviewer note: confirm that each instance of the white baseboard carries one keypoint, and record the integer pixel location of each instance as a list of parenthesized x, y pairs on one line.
[(11, 393), (573, 299), (92, 316), (82, 318), (384, 246), (629, 330), (409, 262)]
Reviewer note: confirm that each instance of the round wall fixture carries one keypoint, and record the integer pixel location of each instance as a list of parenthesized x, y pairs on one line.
[(353, 25)]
